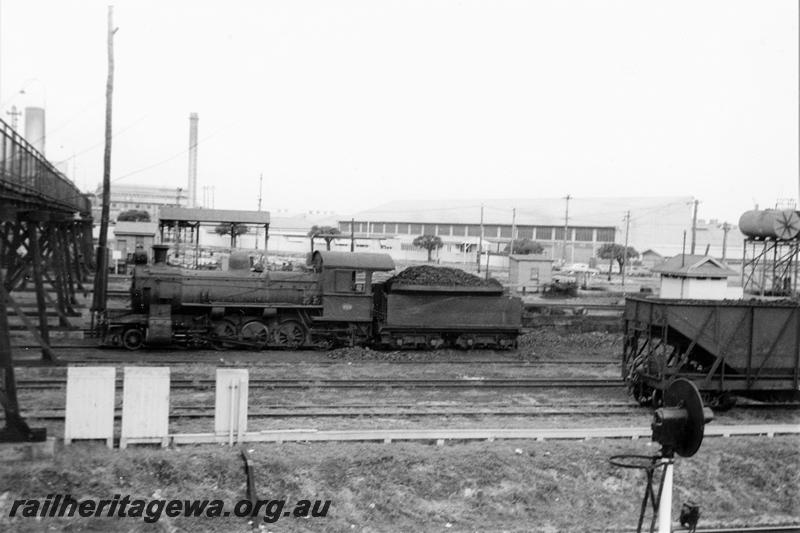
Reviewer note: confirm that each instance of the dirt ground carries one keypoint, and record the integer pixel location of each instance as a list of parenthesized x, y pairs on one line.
[(499, 486)]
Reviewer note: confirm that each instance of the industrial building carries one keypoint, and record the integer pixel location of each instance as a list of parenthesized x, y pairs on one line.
[(138, 198), (650, 223)]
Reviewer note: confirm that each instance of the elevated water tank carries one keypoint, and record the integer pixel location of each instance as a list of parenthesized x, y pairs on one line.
[(779, 224)]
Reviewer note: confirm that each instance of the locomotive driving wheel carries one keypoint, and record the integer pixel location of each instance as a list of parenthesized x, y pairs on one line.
[(133, 339), (290, 334), (255, 333), (223, 329)]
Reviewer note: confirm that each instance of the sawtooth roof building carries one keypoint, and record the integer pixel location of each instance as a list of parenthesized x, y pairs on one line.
[(656, 223)]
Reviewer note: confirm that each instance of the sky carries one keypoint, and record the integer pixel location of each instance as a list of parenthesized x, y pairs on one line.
[(344, 105)]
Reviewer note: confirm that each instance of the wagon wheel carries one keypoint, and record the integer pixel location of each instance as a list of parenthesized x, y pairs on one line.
[(223, 329), (290, 334), (642, 393), (133, 339), (255, 333)]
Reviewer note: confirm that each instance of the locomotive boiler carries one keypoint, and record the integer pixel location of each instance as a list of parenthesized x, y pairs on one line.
[(336, 301)]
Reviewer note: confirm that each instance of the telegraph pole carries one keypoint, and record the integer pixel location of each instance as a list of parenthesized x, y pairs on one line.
[(260, 182), (14, 114), (694, 225), (480, 242), (725, 229), (625, 250), (566, 223), (101, 277), (513, 230)]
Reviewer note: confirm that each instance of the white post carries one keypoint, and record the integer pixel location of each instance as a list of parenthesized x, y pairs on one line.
[(665, 505)]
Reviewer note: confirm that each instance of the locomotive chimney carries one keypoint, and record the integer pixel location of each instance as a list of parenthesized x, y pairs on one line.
[(192, 196), (160, 254)]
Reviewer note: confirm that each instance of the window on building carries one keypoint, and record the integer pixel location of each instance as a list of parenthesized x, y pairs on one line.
[(415, 229), (443, 230), (402, 228), (524, 233), (490, 231), (505, 231), (459, 230), (344, 227), (428, 229), (473, 230), (544, 233), (534, 274), (559, 233), (584, 234), (605, 234)]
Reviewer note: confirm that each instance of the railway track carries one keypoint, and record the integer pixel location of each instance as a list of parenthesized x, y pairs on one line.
[(409, 410), (249, 358), (370, 383), (207, 412)]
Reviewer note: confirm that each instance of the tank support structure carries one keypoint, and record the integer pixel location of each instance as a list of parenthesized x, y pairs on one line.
[(770, 267)]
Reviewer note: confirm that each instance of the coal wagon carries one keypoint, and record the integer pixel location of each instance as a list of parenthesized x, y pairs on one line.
[(438, 315), (726, 347)]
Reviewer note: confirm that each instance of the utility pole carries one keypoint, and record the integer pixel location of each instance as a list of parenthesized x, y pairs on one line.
[(625, 250), (480, 242), (694, 225), (566, 223), (178, 227), (101, 276), (513, 230), (725, 229), (260, 182), (14, 114), (352, 235)]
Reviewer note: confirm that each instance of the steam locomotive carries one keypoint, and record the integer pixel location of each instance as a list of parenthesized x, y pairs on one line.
[(337, 301)]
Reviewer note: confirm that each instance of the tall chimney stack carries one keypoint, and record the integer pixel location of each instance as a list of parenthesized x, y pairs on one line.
[(34, 127), (192, 193)]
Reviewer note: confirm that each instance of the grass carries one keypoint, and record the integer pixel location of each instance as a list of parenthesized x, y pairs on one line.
[(499, 486)]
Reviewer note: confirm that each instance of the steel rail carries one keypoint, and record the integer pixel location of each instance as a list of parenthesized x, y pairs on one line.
[(308, 383)]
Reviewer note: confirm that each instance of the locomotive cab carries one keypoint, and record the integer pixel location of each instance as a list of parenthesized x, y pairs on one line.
[(346, 280)]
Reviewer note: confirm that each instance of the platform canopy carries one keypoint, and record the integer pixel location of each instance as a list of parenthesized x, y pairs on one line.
[(192, 216)]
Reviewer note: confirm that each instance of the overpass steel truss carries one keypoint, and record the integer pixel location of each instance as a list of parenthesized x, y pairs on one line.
[(46, 243)]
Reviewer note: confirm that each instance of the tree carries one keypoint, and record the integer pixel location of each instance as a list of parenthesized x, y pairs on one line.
[(234, 230), (328, 233), (617, 252), (526, 247), (428, 242), (134, 215)]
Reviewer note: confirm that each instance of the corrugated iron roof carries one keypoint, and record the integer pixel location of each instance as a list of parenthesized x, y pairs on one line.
[(694, 266), (356, 260), (198, 214)]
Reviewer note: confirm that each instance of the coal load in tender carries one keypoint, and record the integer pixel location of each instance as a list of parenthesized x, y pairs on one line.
[(439, 276)]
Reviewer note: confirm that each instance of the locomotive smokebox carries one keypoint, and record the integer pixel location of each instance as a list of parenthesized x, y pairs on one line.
[(160, 254)]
